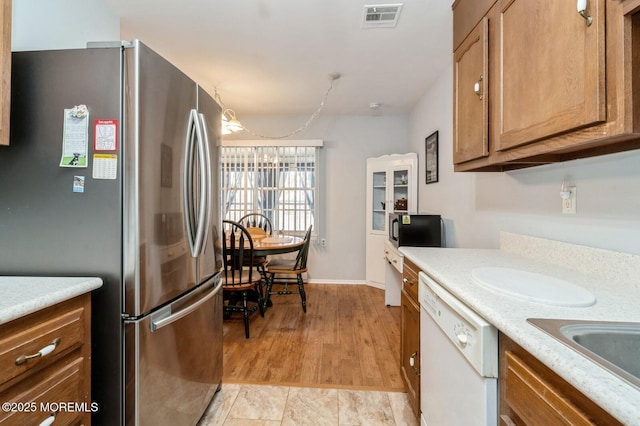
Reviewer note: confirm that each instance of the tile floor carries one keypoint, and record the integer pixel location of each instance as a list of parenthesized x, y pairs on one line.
[(240, 404)]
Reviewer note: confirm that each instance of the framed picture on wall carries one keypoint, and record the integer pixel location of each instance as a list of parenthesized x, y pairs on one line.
[(431, 157)]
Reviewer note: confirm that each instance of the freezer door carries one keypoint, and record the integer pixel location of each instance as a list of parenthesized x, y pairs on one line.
[(174, 359), (158, 102)]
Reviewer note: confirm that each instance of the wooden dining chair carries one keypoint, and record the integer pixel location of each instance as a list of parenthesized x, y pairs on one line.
[(289, 271), (240, 277), (258, 226)]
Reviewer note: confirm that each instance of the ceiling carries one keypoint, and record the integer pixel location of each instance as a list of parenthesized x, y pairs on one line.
[(274, 57)]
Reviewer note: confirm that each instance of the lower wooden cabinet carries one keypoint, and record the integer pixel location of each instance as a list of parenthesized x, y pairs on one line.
[(532, 394), (410, 335), (45, 366)]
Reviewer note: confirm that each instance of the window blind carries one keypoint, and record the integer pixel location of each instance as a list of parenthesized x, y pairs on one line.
[(278, 180)]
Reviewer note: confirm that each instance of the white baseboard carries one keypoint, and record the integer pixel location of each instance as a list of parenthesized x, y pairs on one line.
[(376, 285)]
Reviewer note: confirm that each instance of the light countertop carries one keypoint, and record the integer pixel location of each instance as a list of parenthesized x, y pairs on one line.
[(20, 296), (617, 292)]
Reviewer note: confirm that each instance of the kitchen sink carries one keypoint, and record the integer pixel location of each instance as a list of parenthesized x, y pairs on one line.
[(614, 346)]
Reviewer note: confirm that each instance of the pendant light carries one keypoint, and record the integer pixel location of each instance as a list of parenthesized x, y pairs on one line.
[(230, 124)]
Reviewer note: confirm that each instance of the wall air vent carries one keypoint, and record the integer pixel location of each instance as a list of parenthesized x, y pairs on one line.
[(381, 15)]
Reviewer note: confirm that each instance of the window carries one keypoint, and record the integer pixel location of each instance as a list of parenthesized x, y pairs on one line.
[(277, 179)]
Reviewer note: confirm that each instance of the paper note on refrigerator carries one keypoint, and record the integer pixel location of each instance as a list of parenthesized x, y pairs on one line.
[(75, 137), (105, 166), (105, 135)]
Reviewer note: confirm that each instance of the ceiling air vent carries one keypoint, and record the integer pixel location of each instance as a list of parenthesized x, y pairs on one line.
[(381, 15)]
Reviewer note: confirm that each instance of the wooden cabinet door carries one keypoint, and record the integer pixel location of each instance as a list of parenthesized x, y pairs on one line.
[(471, 96), (410, 350), (552, 69), (532, 394), (5, 70)]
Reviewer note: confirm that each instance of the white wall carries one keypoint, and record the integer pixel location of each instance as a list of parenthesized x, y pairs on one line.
[(61, 24), (477, 206), (348, 142)]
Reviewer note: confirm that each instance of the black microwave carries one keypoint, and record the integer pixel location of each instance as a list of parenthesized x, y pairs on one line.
[(416, 230)]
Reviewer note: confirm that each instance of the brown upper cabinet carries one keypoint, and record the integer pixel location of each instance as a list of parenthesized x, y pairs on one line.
[(535, 82), (471, 114), (5, 70), (551, 76)]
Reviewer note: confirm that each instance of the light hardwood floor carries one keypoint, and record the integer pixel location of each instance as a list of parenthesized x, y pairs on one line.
[(348, 339)]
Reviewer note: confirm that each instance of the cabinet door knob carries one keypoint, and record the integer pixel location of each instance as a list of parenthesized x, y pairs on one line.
[(412, 363), (582, 10), (477, 87)]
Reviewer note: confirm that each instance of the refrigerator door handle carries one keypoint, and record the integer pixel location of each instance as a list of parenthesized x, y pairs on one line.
[(168, 317), (195, 230), (187, 193), (207, 179), (203, 177)]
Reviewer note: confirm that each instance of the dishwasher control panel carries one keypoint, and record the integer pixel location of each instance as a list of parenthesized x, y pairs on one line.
[(474, 337)]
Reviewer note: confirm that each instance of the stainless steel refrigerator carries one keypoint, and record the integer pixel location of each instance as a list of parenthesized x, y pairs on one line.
[(111, 173)]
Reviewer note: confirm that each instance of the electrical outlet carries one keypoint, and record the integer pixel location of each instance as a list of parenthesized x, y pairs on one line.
[(569, 203), (323, 242)]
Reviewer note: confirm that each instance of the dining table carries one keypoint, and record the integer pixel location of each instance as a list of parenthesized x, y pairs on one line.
[(267, 245), (276, 244)]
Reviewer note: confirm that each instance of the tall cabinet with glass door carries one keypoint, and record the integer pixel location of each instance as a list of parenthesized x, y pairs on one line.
[(391, 188)]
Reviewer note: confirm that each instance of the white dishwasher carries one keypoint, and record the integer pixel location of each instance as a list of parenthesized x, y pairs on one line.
[(458, 359)]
